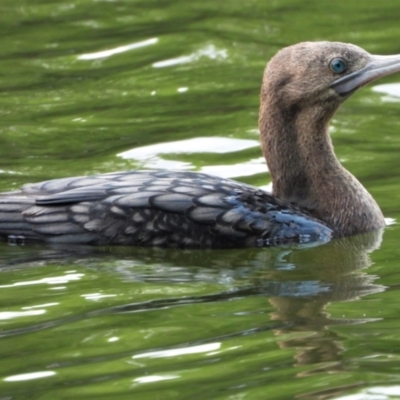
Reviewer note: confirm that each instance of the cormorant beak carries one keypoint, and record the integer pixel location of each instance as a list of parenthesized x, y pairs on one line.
[(377, 67)]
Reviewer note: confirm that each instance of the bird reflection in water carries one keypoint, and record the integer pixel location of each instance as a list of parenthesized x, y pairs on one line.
[(299, 282), (323, 275)]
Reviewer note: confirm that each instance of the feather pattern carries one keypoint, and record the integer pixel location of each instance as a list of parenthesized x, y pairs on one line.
[(154, 208)]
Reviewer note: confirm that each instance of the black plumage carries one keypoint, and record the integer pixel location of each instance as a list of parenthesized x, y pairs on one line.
[(147, 208)]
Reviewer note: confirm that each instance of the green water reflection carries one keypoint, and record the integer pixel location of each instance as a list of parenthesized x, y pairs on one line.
[(251, 324), (246, 309)]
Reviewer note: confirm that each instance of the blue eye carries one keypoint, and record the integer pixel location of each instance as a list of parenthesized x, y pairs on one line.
[(338, 65)]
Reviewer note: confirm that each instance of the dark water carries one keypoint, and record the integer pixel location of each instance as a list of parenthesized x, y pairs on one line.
[(96, 86)]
